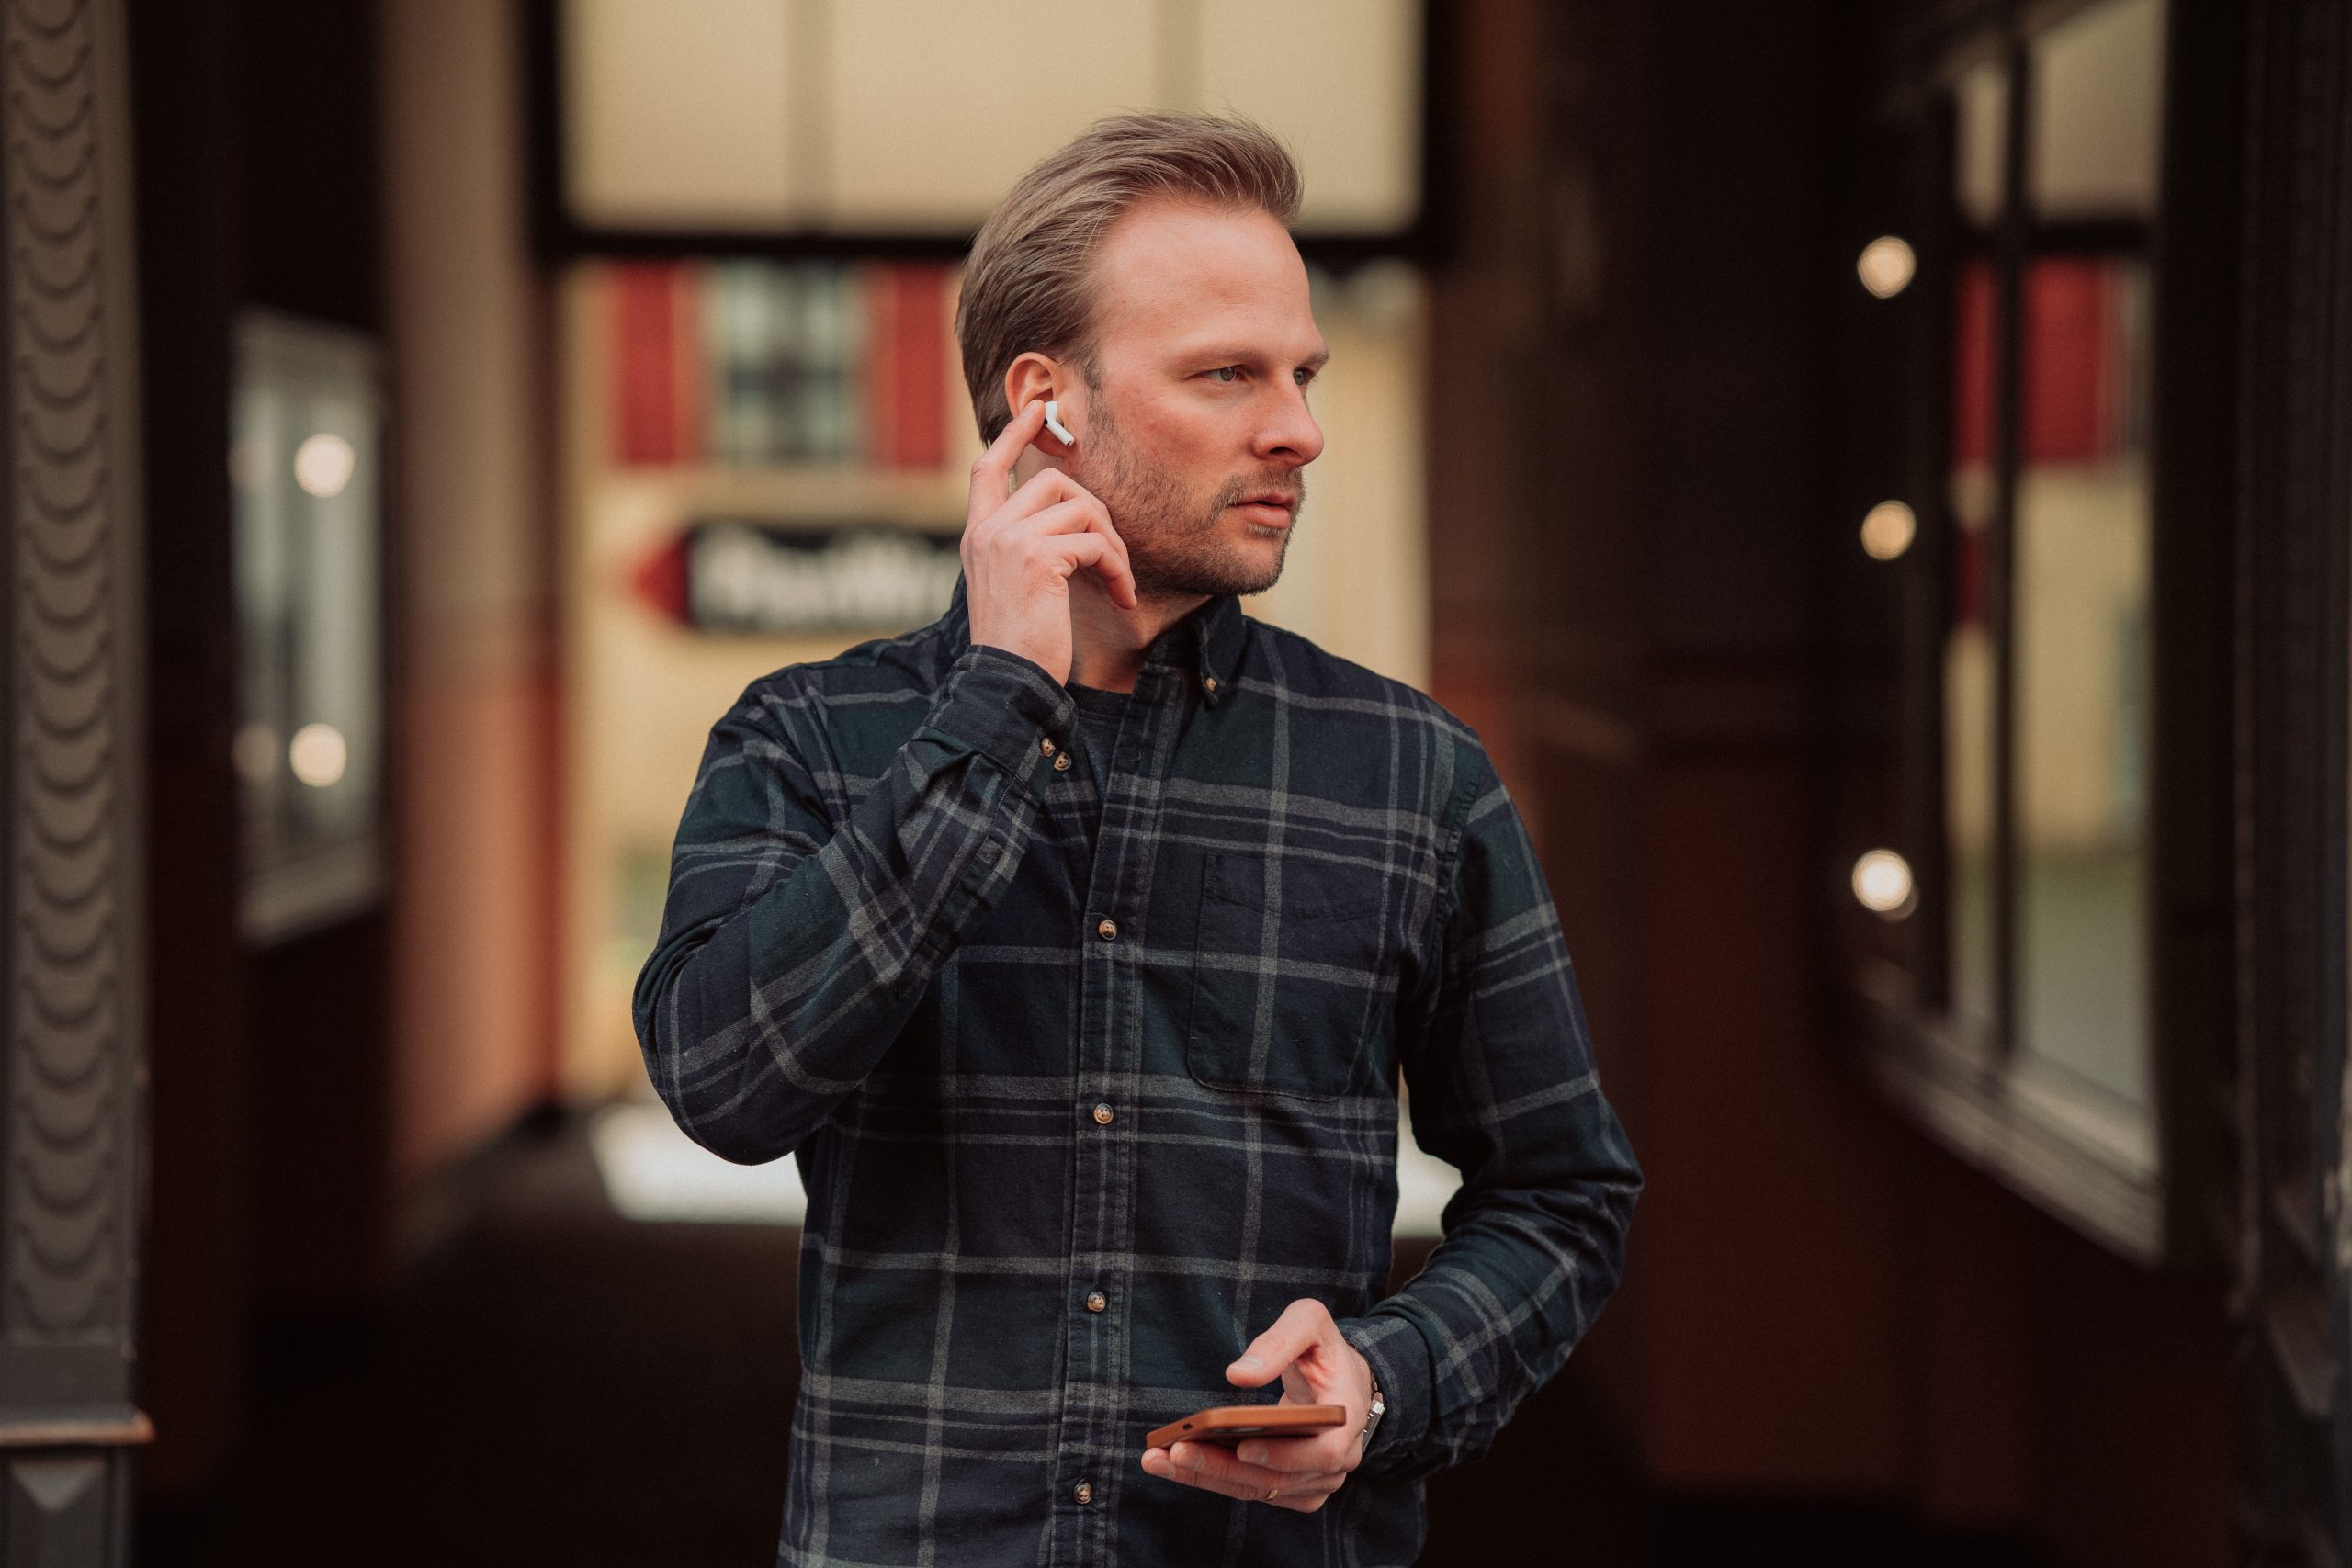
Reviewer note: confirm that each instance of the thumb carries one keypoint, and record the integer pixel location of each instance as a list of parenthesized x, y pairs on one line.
[(1302, 1324)]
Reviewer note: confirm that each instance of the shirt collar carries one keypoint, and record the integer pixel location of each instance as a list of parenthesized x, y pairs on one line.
[(1209, 640)]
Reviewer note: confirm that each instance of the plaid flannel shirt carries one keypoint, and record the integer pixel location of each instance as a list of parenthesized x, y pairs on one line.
[(1085, 1090)]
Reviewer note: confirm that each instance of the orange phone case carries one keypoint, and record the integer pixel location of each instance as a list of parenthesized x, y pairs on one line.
[(1231, 1423)]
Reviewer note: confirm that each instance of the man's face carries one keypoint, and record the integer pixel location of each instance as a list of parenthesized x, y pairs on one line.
[(1196, 418)]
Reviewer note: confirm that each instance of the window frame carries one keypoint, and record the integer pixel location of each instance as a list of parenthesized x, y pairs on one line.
[(2138, 1184)]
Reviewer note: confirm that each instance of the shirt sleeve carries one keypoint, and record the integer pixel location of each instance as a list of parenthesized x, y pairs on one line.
[(1501, 1081), (794, 947)]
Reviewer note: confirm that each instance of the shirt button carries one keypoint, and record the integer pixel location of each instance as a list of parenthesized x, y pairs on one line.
[(1103, 1116), (1083, 1491), (1108, 930), (1062, 763), (1046, 744), (1209, 683), (1096, 1300)]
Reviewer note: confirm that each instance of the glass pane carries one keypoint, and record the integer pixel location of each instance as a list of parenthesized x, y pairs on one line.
[(1340, 82), (678, 116), (2098, 82), (2081, 607), (309, 746), (904, 150), (1981, 107), (1969, 651)]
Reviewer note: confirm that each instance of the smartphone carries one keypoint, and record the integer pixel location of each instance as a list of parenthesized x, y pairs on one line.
[(1231, 1423)]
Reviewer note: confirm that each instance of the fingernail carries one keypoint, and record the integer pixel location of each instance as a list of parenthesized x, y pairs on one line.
[(1248, 1364), (1251, 1453), (1196, 1461)]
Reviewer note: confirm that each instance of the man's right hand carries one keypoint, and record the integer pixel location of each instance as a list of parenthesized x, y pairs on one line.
[(1019, 551)]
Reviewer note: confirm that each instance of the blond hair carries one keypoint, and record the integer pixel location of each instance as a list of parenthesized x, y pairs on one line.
[(1027, 282)]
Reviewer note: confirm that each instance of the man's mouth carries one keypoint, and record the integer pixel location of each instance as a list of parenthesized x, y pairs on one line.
[(1271, 508)]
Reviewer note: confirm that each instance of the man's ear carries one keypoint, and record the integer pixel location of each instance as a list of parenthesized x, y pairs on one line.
[(1033, 376)]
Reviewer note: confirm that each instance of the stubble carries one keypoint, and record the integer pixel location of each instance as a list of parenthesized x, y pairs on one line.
[(1172, 536)]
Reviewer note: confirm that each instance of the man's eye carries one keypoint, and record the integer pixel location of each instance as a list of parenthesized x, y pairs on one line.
[(1227, 373)]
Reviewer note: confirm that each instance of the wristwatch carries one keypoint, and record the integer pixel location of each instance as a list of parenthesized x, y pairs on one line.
[(1371, 1418)]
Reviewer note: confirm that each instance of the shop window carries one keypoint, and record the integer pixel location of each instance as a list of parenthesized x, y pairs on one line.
[(1993, 849)]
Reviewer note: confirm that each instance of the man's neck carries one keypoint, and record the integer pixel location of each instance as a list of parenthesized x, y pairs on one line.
[(1107, 643)]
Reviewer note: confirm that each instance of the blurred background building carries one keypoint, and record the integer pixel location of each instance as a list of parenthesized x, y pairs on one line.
[(1874, 472)]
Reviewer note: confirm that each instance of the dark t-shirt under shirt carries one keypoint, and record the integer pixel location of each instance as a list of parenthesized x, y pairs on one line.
[(1100, 714)]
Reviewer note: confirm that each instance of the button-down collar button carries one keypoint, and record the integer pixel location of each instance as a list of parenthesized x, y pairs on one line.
[(1062, 763), (1108, 930), (1096, 1300), (1103, 1116), (1208, 683), (1083, 1491), (1046, 744)]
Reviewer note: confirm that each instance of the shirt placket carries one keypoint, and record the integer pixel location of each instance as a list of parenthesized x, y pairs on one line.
[(1091, 1463)]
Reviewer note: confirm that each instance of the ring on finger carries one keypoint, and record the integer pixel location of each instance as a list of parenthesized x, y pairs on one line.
[(1270, 1493)]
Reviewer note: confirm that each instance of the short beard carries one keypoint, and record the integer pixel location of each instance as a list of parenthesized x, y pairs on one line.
[(1172, 539)]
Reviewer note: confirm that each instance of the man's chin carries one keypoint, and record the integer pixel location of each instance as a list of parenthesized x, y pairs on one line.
[(1238, 578)]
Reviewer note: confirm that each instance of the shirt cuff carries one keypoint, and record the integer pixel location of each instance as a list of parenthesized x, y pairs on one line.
[(1003, 705), (1400, 1361)]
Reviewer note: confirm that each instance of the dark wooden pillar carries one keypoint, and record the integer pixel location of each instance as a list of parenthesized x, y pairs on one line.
[(2294, 524), (74, 1085)]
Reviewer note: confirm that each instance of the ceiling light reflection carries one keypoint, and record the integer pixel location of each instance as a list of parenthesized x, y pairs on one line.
[(1883, 883), (1886, 266), (322, 465), (318, 754), (1888, 529)]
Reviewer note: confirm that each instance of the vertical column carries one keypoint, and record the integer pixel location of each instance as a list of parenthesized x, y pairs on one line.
[(71, 1099)]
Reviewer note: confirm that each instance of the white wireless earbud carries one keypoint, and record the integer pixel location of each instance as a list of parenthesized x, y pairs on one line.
[(1054, 422)]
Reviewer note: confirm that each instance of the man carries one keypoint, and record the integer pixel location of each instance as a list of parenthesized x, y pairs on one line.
[(1075, 945)]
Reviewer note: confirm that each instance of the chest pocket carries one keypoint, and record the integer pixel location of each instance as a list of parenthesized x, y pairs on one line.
[(1285, 977)]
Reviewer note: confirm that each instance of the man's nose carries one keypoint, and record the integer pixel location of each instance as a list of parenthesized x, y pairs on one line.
[(1292, 433)]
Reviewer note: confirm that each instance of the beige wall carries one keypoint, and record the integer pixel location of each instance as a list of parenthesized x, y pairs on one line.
[(475, 678)]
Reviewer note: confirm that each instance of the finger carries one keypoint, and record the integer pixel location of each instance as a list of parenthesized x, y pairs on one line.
[(1156, 1463), (1106, 557), (1121, 581), (1228, 1479), (1113, 567), (1305, 1500), (993, 468), (1303, 1325), (1318, 1455), (1214, 1462), (1080, 515), (1042, 488), (1168, 1470), (1086, 515)]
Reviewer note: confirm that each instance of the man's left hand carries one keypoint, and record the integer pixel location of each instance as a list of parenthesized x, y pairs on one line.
[(1317, 1367)]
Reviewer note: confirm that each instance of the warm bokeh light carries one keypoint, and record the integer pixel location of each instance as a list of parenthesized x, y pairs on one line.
[(322, 465), (1888, 529), (1886, 266), (318, 754), (1882, 883)]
